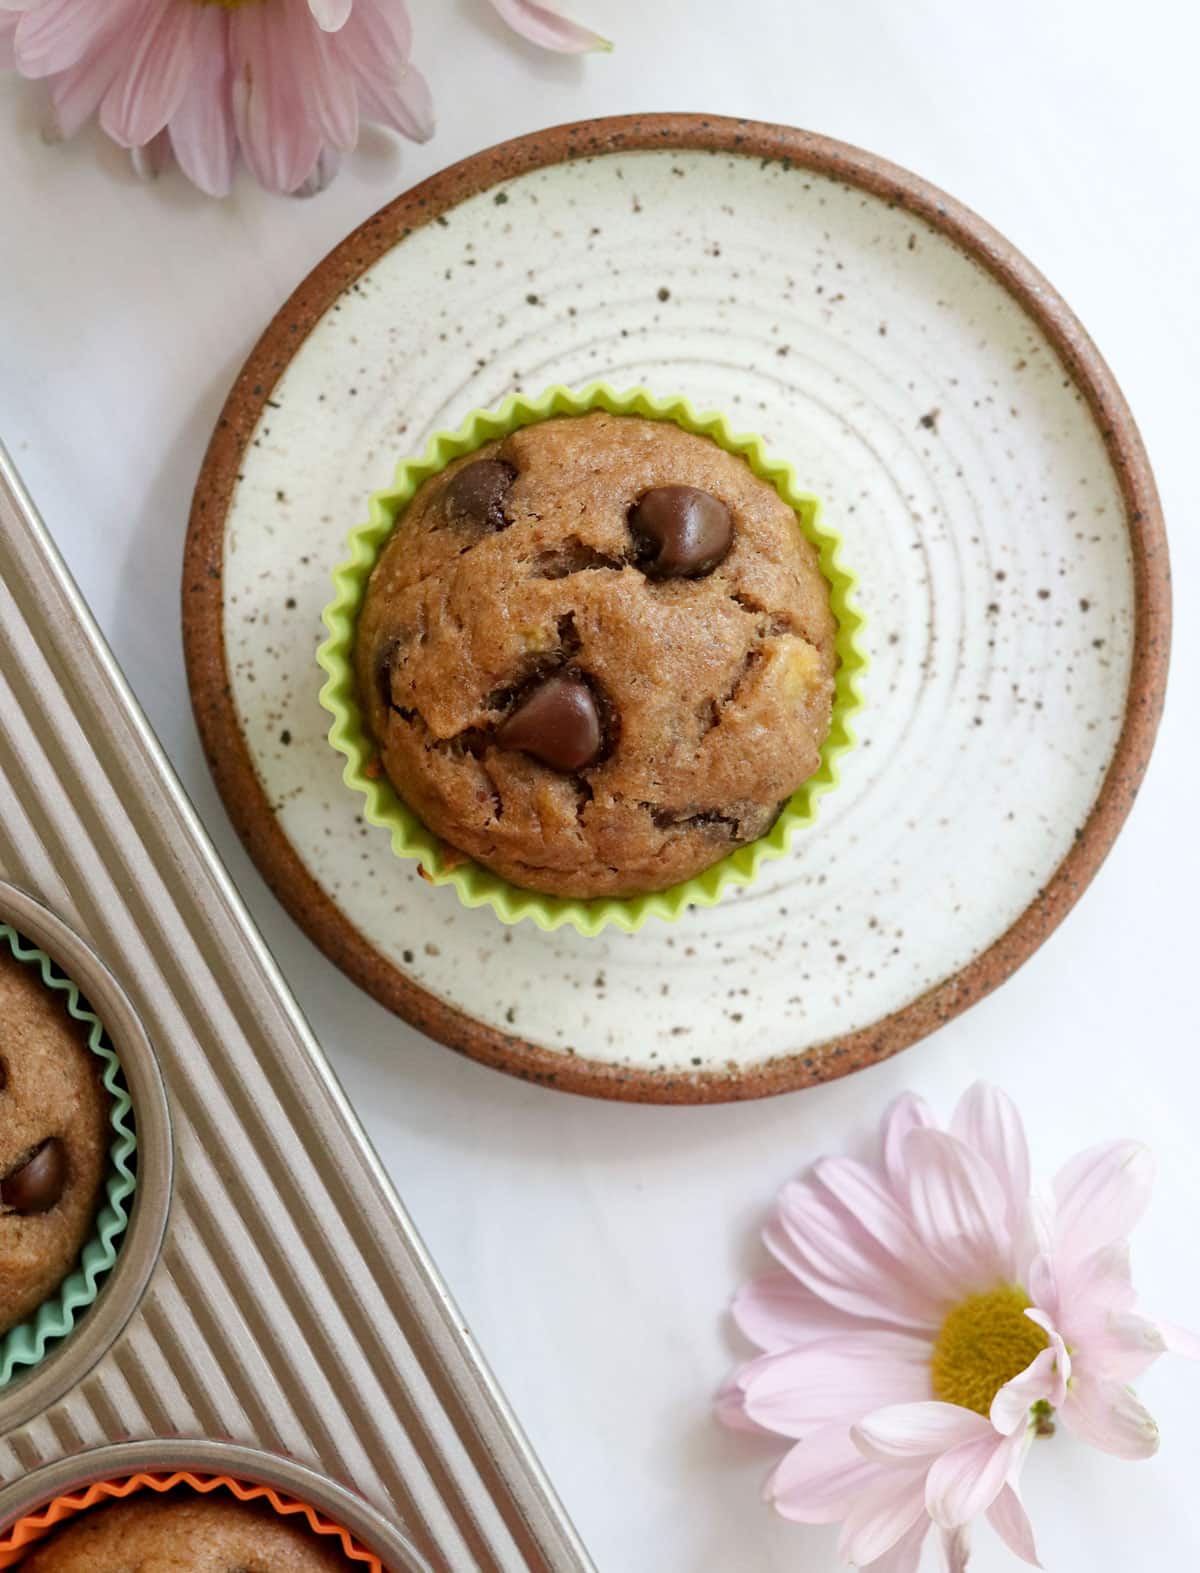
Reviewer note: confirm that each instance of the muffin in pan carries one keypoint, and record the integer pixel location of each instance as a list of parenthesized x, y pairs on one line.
[(598, 655), (183, 1534), (54, 1141)]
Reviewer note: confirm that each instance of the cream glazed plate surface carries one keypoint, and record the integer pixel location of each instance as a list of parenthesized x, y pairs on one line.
[(970, 447)]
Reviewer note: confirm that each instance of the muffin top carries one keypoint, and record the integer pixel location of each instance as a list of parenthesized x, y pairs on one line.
[(598, 655), (184, 1534), (54, 1139)]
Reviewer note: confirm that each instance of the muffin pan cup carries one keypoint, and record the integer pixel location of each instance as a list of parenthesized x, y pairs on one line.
[(475, 885), (50, 1497), (270, 1288), (43, 1357), (25, 1345)]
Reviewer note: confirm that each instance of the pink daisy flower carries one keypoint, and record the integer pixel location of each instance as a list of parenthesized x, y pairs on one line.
[(929, 1316), (282, 84)]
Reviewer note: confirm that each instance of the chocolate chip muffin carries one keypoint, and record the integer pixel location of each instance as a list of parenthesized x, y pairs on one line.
[(184, 1533), (597, 656), (54, 1139)]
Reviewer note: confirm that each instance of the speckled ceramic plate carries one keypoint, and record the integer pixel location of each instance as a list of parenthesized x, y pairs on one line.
[(971, 447)]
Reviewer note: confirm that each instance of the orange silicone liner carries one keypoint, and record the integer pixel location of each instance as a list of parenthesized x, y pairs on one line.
[(27, 1531)]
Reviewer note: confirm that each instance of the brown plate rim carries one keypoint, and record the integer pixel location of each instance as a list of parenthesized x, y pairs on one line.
[(233, 769)]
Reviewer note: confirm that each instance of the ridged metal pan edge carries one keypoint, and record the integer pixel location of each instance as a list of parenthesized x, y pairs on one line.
[(293, 1307)]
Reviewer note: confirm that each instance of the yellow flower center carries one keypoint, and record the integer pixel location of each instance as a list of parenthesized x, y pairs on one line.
[(984, 1342)]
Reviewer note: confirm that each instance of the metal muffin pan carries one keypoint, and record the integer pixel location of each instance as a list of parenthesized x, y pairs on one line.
[(271, 1293)]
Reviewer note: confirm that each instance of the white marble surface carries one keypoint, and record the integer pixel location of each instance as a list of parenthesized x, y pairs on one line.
[(594, 1247)]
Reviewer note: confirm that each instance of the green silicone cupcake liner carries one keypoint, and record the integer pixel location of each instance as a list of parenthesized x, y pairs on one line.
[(27, 1344), (475, 885)]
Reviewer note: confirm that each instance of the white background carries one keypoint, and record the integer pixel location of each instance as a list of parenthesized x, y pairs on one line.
[(594, 1247)]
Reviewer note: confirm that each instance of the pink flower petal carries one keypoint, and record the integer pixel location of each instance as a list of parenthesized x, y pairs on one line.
[(59, 33), (330, 96), (543, 26), (329, 161), (986, 1120), (1126, 1347), (153, 158), (831, 1252), (729, 1406), (151, 84), (959, 1209), (1037, 1236), (374, 44), (279, 142), (880, 1514), (377, 39), (1043, 1379), (797, 1391), (1045, 1322), (330, 15), (1091, 1288), (816, 1481), (1107, 1414), (407, 107), (1041, 1283), (78, 92), (1100, 1195), (905, 1555), (1008, 1518), (906, 1113), (1179, 1340), (956, 1548), (873, 1206), (1060, 1367), (775, 1311), (915, 1433), (202, 130), (968, 1479), (8, 33)]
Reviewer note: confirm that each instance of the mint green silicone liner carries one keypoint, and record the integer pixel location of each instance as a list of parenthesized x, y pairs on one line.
[(411, 839), (27, 1343)]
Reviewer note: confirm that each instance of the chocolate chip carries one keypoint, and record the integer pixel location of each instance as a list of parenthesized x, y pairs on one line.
[(701, 819), (475, 495), (37, 1185), (686, 532), (557, 723), (383, 672)]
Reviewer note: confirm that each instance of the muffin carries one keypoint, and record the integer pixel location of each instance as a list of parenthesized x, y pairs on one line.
[(185, 1534), (597, 656), (54, 1138)]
